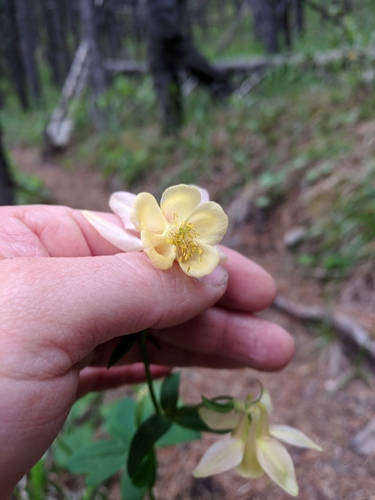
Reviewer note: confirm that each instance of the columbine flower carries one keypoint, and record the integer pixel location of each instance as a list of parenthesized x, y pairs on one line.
[(252, 447), (186, 228)]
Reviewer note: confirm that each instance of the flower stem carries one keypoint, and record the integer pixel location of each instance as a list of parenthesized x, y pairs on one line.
[(151, 495), (143, 346)]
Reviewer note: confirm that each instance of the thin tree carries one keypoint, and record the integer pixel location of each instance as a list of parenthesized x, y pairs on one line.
[(170, 48), (6, 182)]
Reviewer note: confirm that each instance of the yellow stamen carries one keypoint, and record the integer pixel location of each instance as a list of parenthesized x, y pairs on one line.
[(182, 235)]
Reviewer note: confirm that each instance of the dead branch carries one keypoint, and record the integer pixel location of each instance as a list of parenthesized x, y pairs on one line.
[(318, 59), (349, 329), (231, 31)]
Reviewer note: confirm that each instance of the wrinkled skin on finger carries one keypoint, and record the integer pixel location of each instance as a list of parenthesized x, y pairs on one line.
[(66, 297)]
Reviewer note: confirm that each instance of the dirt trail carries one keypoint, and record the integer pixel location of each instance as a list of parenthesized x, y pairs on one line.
[(299, 392)]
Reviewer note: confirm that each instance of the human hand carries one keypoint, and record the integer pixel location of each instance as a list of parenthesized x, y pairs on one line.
[(66, 295)]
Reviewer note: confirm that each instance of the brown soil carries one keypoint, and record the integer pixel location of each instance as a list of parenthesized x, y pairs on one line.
[(300, 392)]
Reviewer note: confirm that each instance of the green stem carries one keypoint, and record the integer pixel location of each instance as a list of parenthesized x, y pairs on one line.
[(151, 495), (150, 384)]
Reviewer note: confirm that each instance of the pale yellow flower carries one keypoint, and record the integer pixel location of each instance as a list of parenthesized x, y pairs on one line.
[(181, 229), (252, 448), (185, 228)]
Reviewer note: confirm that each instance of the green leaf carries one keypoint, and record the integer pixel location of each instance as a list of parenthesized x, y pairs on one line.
[(177, 435), (169, 393), (216, 405), (146, 472), (129, 491), (121, 421), (99, 460), (144, 439), (80, 409), (188, 417), (37, 480), (145, 407), (122, 348), (71, 441)]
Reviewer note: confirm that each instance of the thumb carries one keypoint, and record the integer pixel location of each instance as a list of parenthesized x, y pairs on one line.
[(71, 305)]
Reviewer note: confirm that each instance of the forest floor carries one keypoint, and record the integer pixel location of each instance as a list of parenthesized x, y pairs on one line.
[(307, 394)]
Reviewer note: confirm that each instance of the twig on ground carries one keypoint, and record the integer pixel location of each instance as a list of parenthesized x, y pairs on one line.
[(349, 330)]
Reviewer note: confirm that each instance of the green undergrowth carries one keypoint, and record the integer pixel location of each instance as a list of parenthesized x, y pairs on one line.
[(293, 137), (295, 132)]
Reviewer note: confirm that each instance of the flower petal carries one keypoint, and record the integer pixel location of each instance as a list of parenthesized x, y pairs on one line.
[(220, 457), (146, 214), (119, 237), (250, 467), (210, 222), (201, 265), (160, 252), (204, 193), (219, 421), (293, 436), (266, 401), (121, 203), (277, 463), (180, 201)]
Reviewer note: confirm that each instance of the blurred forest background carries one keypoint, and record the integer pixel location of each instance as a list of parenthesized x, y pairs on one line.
[(270, 105)]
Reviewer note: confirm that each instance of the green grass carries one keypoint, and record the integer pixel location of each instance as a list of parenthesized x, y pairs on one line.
[(291, 133)]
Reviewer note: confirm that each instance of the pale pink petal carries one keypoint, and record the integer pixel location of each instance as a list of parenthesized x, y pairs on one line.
[(119, 237), (121, 203), (204, 193), (220, 457)]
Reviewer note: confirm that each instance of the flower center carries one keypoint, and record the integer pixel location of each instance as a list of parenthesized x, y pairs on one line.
[(182, 235)]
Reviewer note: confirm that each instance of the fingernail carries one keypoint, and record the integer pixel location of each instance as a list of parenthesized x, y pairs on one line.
[(223, 256), (218, 277)]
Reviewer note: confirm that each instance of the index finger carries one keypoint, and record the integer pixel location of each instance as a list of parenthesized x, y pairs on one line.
[(57, 231), (250, 287)]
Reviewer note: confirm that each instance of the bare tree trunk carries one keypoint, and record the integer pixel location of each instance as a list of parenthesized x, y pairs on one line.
[(266, 24), (299, 17), (97, 75), (27, 46), (6, 183), (13, 55), (170, 48)]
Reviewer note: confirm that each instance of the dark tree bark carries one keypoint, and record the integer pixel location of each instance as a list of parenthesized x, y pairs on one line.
[(266, 24), (170, 49), (299, 17), (96, 72), (57, 50), (6, 182), (108, 28), (272, 18), (27, 46), (13, 55)]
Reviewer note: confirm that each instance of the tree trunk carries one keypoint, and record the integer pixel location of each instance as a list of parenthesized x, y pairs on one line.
[(6, 183), (170, 48), (299, 17), (97, 75), (13, 55), (266, 23), (27, 46)]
